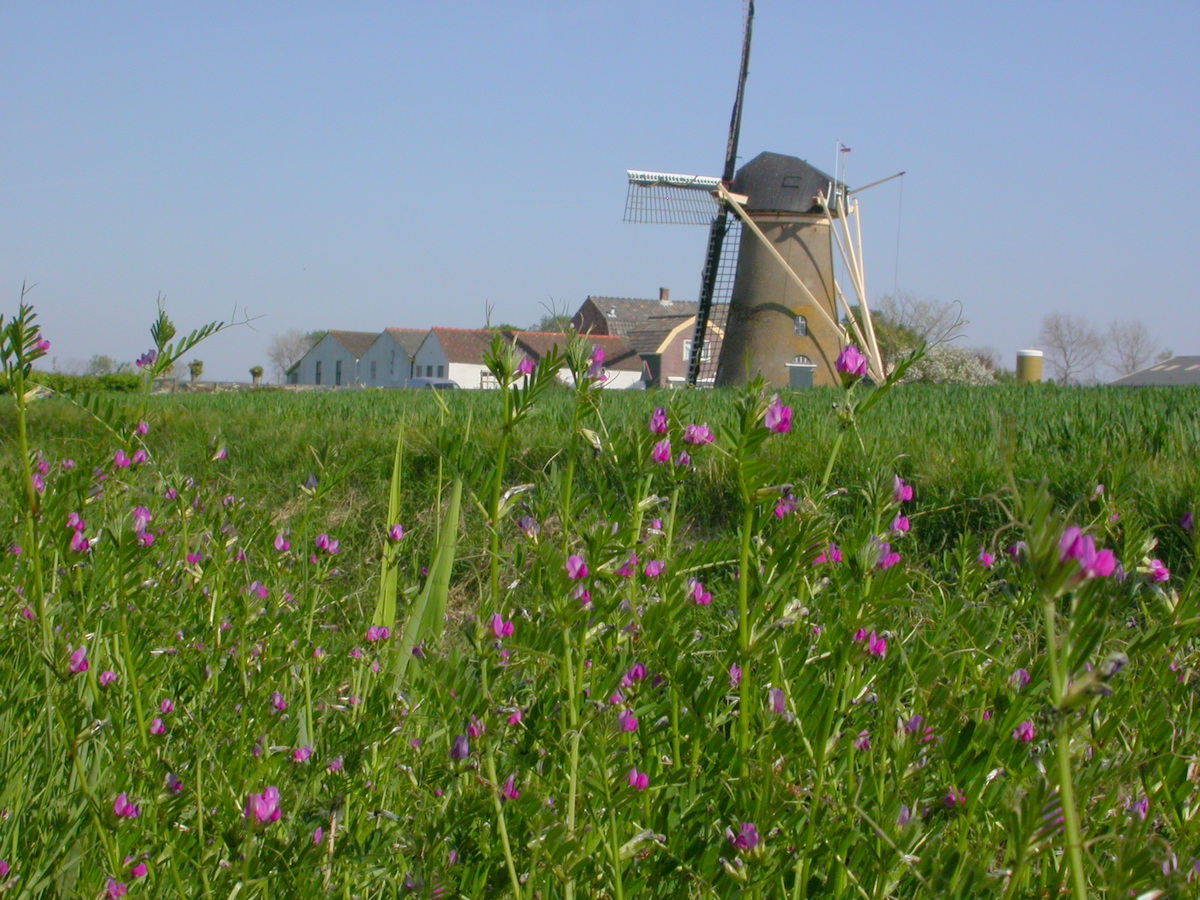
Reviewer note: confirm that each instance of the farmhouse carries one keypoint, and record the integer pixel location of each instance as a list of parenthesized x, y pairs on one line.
[(333, 360), (1178, 370), (391, 358), (622, 367), (659, 331)]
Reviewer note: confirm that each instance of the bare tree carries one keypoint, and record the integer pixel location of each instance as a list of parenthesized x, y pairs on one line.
[(932, 321), (1072, 347), (285, 350), (1129, 347)]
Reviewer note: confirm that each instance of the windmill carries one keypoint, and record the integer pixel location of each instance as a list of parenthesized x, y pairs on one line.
[(768, 298)]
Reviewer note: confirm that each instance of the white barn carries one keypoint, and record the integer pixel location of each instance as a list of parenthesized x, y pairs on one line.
[(334, 360), (389, 360)]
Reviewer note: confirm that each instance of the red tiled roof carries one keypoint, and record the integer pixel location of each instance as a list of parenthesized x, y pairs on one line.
[(462, 345)]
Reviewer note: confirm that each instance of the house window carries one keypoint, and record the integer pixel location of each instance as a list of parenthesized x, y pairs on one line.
[(441, 371), (337, 373), (800, 326), (372, 370), (705, 352), (317, 378), (392, 369)]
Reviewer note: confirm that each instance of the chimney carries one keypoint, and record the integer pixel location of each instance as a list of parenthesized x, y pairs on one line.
[(664, 296)]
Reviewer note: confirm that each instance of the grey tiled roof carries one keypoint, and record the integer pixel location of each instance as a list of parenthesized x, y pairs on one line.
[(356, 342), (409, 339), (625, 315), (1178, 370)]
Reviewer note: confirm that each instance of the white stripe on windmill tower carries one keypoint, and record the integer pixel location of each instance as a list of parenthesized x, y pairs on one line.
[(769, 298)]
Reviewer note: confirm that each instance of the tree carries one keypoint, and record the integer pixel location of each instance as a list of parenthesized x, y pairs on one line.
[(553, 324), (196, 369), (1072, 347), (285, 350), (903, 322), (256, 373), (1128, 347), (949, 364), (101, 364)]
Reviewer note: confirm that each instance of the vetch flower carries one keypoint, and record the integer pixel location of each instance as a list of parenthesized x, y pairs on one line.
[(1093, 563), (157, 728), (282, 544), (851, 363), (735, 675), (147, 359), (985, 559), (500, 628), (526, 366), (778, 418), (377, 633), (326, 543), (658, 421), (263, 809), (901, 492), (460, 748), (1019, 678), (596, 369), (509, 790), (576, 568), (1023, 733), (396, 533), (627, 721), (785, 507), (529, 527), (745, 840), (139, 456), (78, 663), (777, 701), (318, 836), (862, 743), (123, 808), (302, 754), (900, 525), (639, 781), (277, 701), (106, 678), (699, 595), (114, 890), (629, 566), (166, 707), (697, 434), (661, 453), (831, 554), (887, 557), (876, 645), (120, 460), (1157, 572), (654, 568)]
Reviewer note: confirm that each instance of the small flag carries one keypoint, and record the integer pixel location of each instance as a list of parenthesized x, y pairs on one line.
[(842, 148)]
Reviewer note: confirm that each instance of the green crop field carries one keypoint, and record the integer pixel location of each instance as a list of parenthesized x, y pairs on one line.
[(552, 641)]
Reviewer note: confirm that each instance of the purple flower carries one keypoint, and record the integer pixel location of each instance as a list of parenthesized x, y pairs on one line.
[(876, 645), (147, 359), (887, 557), (528, 526), (318, 836), (123, 808), (526, 366), (509, 790), (1157, 572), (901, 492), (735, 675), (904, 816), (326, 543), (683, 460), (282, 544), (697, 434), (1019, 678), (139, 457), (120, 460), (1093, 563), (777, 701), (661, 453), (377, 633), (628, 567), (851, 362), (263, 809), (460, 748), (596, 369), (106, 678), (900, 525), (577, 569), (1139, 809), (114, 890), (1023, 733), (985, 559), (627, 721), (166, 707), (639, 781), (1187, 522), (637, 672), (831, 554), (954, 798), (157, 728), (699, 595), (658, 421), (396, 533), (785, 507), (862, 743), (745, 840), (654, 568), (778, 418), (173, 784), (277, 701), (78, 663), (302, 754), (500, 628), (335, 765)]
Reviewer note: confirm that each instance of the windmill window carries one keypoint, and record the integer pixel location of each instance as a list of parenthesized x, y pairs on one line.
[(800, 326), (801, 360), (317, 378)]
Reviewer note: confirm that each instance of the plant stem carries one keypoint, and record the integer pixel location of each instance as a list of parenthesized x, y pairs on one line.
[(744, 697), (833, 455)]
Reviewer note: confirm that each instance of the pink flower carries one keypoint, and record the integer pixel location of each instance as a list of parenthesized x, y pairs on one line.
[(887, 557), (1157, 572), (41, 346), (862, 743), (138, 871), (596, 369), (141, 428), (115, 890), (38, 483), (831, 554), (515, 718), (123, 809), (785, 507), (166, 707), (141, 519), (139, 457), (277, 701), (778, 418), (147, 359), (1093, 563), (459, 748), (777, 701), (876, 645), (326, 543), (500, 628), (661, 453), (628, 567), (318, 836), (699, 595), (335, 765), (78, 663), (301, 754), (954, 798), (745, 840), (683, 460), (106, 678), (120, 460), (658, 421), (377, 633), (735, 675), (901, 492), (396, 533), (509, 790), (985, 559), (282, 544), (654, 568), (526, 366), (1023, 732), (639, 781), (3, 868), (1019, 678), (157, 728), (627, 721), (697, 434), (475, 728), (851, 362), (263, 809), (576, 568), (900, 525)]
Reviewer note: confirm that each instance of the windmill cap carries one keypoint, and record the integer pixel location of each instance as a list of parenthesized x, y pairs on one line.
[(774, 182)]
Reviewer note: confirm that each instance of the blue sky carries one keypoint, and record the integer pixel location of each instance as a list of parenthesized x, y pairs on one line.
[(364, 165)]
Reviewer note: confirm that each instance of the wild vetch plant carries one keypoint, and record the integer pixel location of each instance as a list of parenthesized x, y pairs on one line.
[(609, 700)]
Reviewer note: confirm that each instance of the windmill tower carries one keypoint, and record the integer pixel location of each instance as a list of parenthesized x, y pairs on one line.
[(768, 298)]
